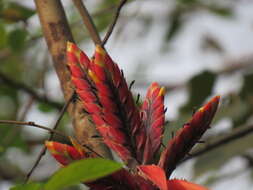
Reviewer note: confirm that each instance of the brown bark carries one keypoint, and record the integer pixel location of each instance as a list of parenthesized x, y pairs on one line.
[(57, 32)]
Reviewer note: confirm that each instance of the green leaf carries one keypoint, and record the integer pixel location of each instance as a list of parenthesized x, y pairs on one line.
[(31, 186), (16, 39), (103, 22), (14, 12), (3, 36), (247, 88), (176, 23), (82, 171), (45, 107), (200, 87), (221, 11)]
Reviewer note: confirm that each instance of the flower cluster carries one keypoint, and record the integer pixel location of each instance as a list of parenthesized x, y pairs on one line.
[(132, 131)]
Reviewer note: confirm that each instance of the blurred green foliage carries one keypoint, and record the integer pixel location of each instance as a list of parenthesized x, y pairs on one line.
[(13, 12)]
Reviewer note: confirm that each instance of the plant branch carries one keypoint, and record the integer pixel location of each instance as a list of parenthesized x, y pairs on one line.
[(43, 150), (20, 86), (117, 13), (87, 20), (234, 135), (57, 32), (32, 124)]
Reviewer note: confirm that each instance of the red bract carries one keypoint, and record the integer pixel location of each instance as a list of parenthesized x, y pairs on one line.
[(153, 118), (188, 136), (63, 153), (134, 133)]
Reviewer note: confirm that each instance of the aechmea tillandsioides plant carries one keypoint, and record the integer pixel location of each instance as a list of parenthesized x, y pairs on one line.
[(133, 132)]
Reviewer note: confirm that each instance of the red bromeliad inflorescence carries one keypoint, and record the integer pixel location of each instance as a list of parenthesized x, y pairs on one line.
[(133, 132)]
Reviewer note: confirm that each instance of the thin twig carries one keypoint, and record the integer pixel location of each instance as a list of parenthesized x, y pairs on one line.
[(117, 13), (236, 134), (87, 20), (43, 150), (20, 86), (32, 124)]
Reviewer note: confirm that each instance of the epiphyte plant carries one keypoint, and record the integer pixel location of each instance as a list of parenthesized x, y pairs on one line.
[(134, 132)]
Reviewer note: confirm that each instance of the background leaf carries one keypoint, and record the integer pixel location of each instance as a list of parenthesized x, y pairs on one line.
[(3, 36), (200, 87), (14, 12), (16, 39)]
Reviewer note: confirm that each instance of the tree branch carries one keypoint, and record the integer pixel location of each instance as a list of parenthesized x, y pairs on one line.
[(43, 150), (87, 20), (234, 135), (117, 13), (57, 32), (32, 124)]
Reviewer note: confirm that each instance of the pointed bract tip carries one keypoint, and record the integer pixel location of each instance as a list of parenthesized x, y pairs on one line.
[(70, 46), (213, 103), (154, 86), (216, 98), (100, 50), (48, 144), (162, 91)]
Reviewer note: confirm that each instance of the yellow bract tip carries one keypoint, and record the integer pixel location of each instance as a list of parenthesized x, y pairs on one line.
[(162, 92), (201, 109), (93, 76), (49, 143), (69, 46), (100, 50)]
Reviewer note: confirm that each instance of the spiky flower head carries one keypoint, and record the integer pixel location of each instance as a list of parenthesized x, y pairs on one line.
[(134, 133)]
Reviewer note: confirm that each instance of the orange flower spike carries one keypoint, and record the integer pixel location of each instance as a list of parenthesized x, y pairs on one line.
[(99, 64), (79, 65), (93, 92), (153, 117), (74, 54), (188, 136), (176, 184), (109, 123), (204, 115), (125, 102), (63, 153)]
